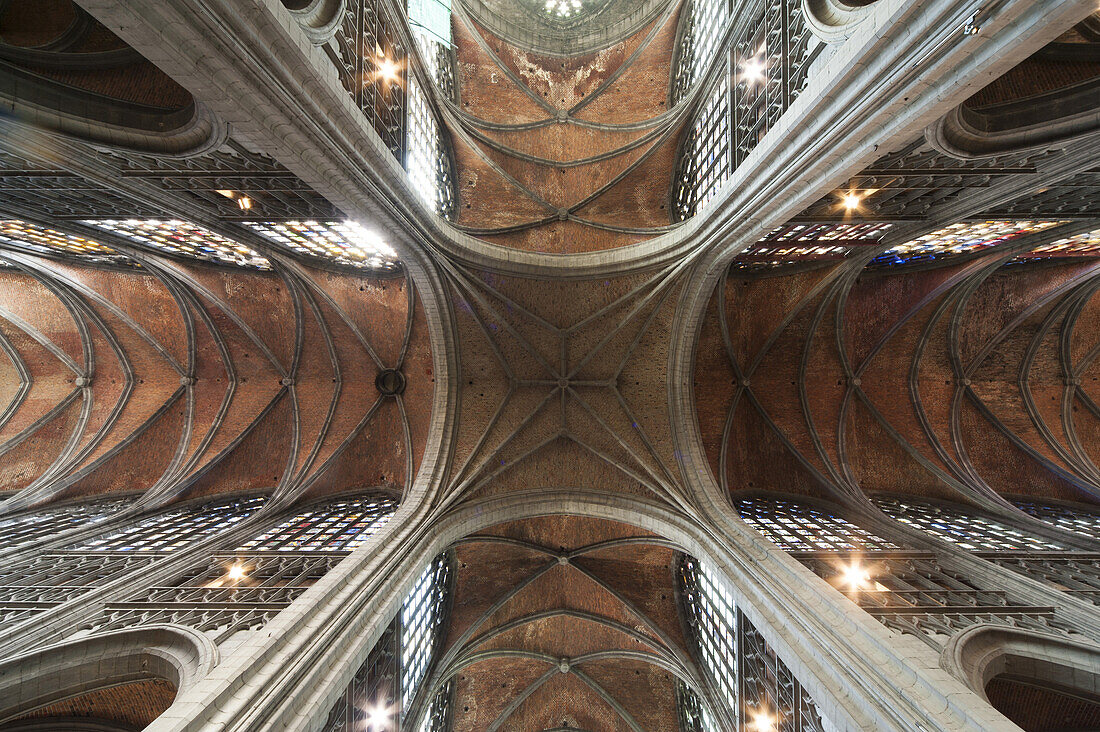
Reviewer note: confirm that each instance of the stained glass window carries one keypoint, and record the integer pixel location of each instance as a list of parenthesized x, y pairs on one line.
[(422, 617), (25, 235), (27, 527), (711, 615), (1081, 245), (175, 528), (961, 238), (754, 681), (1064, 517), (182, 239), (963, 529), (706, 20), (800, 527), (427, 161), (340, 526), (438, 716), (343, 242)]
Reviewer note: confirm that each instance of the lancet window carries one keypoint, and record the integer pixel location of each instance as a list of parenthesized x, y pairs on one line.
[(428, 159), (743, 669), (763, 70), (385, 686)]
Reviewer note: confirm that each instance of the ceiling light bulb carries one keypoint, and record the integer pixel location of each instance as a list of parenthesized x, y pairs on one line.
[(851, 201), (244, 202)]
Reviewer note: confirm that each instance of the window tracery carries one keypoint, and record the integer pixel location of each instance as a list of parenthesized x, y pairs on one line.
[(422, 617), (742, 667), (27, 235), (343, 242), (765, 68), (176, 528), (385, 685), (372, 66), (27, 527), (340, 526), (963, 238), (968, 531), (1086, 523), (181, 239), (797, 526), (428, 161)]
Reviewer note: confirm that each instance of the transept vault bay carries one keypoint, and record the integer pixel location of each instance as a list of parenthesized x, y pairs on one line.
[(545, 365)]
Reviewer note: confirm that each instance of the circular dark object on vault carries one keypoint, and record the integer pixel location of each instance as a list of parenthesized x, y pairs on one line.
[(390, 382)]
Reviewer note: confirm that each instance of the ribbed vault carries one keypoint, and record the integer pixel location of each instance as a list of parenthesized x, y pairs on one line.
[(183, 380), (968, 381), (565, 622)]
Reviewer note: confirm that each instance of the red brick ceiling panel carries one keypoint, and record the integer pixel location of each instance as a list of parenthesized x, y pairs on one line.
[(997, 323), (1033, 76), (880, 463), (141, 463), (878, 303), (641, 92), (565, 82), (1003, 465), (712, 383), (486, 199), (565, 700), (565, 237), (133, 705), (826, 382), (640, 199), (237, 426), (775, 383), (1037, 709), (37, 23), (565, 187), (608, 612), (644, 158), (566, 142), (484, 89)]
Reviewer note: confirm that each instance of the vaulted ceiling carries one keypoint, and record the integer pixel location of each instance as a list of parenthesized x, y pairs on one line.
[(818, 367)]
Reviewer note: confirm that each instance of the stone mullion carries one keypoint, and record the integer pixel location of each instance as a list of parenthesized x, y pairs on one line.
[(53, 624)]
